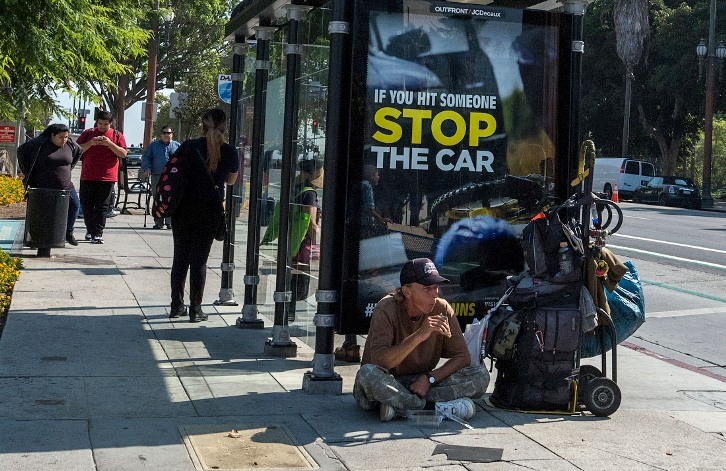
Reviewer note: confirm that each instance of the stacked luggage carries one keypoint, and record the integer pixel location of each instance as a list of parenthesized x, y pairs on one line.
[(535, 331)]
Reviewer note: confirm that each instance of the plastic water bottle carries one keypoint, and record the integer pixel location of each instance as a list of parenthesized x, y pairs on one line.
[(566, 258)]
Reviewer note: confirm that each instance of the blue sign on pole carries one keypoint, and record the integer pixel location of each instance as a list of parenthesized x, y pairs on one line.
[(224, 88)]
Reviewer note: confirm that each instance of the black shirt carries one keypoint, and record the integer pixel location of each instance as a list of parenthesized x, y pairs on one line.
[(53, 167)]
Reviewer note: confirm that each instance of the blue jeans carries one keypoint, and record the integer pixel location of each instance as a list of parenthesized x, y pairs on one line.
[(74, 205)]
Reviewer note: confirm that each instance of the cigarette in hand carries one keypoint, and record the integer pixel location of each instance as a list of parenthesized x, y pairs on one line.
[(445, 319)]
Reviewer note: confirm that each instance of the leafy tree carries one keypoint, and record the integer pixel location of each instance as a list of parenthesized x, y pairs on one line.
[(694, 167), (601, 79), (631, 30), (669, 96), (186, 45), (47, 44), (201, 91), (666, 94)]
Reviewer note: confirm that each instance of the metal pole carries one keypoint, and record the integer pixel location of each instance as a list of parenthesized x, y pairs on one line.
[(280, 343), (323, 379), (706, 198), (249, 319), (226, 291), (151, 79), (577, 8)]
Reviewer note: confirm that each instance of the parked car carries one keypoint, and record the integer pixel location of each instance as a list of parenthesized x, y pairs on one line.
[(669, 191), (133, 158), (276, 159)]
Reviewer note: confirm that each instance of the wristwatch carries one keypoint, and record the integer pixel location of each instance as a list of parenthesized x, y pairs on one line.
[(432, 380)]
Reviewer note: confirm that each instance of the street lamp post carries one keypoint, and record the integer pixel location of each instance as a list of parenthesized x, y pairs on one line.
[(168, 16), (710, 53)]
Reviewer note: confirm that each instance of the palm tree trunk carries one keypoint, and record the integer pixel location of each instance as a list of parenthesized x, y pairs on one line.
[(626, 113)]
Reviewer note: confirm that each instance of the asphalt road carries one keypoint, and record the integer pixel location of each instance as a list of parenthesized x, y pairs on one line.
[(681, 258)]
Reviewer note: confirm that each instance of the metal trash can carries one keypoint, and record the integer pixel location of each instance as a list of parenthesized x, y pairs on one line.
[(46, 219)]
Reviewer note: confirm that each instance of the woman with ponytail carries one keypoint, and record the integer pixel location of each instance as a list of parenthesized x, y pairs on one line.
[(205, 164)]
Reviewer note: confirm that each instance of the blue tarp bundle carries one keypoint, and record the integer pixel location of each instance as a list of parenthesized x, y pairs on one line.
[(627, 309)]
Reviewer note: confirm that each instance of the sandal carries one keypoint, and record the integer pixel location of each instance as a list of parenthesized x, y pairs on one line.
[(348, 353)]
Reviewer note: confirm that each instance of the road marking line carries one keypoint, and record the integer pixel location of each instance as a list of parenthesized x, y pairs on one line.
[(670, 257), (670, 243), (682, 290), (687, 312), (674, 362)]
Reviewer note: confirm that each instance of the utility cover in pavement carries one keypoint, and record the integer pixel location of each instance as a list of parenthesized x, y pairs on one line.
[(240, 447)]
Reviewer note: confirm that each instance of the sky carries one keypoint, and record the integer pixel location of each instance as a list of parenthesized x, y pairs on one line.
[(133, 125)]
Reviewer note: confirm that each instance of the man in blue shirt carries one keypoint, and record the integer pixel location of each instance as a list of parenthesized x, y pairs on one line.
[(153, 161)]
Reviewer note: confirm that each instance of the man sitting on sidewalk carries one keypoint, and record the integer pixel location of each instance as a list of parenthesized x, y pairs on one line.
[(410, 331)]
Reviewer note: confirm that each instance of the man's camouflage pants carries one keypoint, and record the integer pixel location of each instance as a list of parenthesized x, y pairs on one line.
[(374, 385)]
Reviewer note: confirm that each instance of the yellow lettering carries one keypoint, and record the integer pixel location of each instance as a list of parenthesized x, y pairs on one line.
[(476, 132), (382, 121), (439, 135), (417, 117), (390, 128)]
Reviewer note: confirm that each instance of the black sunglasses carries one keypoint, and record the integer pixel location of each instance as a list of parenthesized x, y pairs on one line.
[(167, 132)]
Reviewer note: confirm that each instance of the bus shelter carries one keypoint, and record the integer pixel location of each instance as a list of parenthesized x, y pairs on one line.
[(421, 120)]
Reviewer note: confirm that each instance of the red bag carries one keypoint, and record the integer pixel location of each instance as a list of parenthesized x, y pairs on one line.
[(169, 190)]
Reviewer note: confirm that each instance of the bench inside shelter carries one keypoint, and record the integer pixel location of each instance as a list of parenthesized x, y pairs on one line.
[(132, 189)]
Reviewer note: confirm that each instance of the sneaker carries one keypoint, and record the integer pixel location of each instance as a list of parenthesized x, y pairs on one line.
[(168, 226), (462, 408), (157, 227), (97, 240), (71, 240), (112, 213), (176, 312), (88, 236), (387, 413)]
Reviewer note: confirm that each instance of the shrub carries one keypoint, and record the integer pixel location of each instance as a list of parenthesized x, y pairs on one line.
[(719, 194), (9, 274), (11, 190)]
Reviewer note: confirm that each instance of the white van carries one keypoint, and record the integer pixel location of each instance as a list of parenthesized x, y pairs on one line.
[(629, 174)]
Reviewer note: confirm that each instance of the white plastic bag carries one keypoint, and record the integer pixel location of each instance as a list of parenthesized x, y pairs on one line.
[(475, 336)]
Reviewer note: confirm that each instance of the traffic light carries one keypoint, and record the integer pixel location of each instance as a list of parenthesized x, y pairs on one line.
[(315, 126), (81, 125)]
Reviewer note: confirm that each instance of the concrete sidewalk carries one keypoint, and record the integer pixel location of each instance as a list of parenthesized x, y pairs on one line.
[(94, 376)]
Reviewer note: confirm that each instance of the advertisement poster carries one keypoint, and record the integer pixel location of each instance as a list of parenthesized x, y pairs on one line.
[(464, 113)]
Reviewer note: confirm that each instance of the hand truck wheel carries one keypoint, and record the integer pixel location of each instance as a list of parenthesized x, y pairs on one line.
[(587, 374), (602, 396)]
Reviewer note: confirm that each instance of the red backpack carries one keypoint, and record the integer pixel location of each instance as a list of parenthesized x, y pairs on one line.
[(170, 189)]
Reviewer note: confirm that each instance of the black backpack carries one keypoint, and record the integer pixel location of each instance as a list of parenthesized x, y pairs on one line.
[(536, 372)]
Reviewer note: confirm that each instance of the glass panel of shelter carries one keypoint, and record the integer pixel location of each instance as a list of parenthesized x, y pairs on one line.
[(271, 166), (309, 143), (310, 154)]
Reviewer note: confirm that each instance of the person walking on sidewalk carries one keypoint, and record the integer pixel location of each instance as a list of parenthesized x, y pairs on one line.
[(152, 162), (197, 217), (47, 161), (410, 331), (102, 148)]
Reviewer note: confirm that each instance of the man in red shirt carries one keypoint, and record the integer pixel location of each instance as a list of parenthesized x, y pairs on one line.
[(102, 148)]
